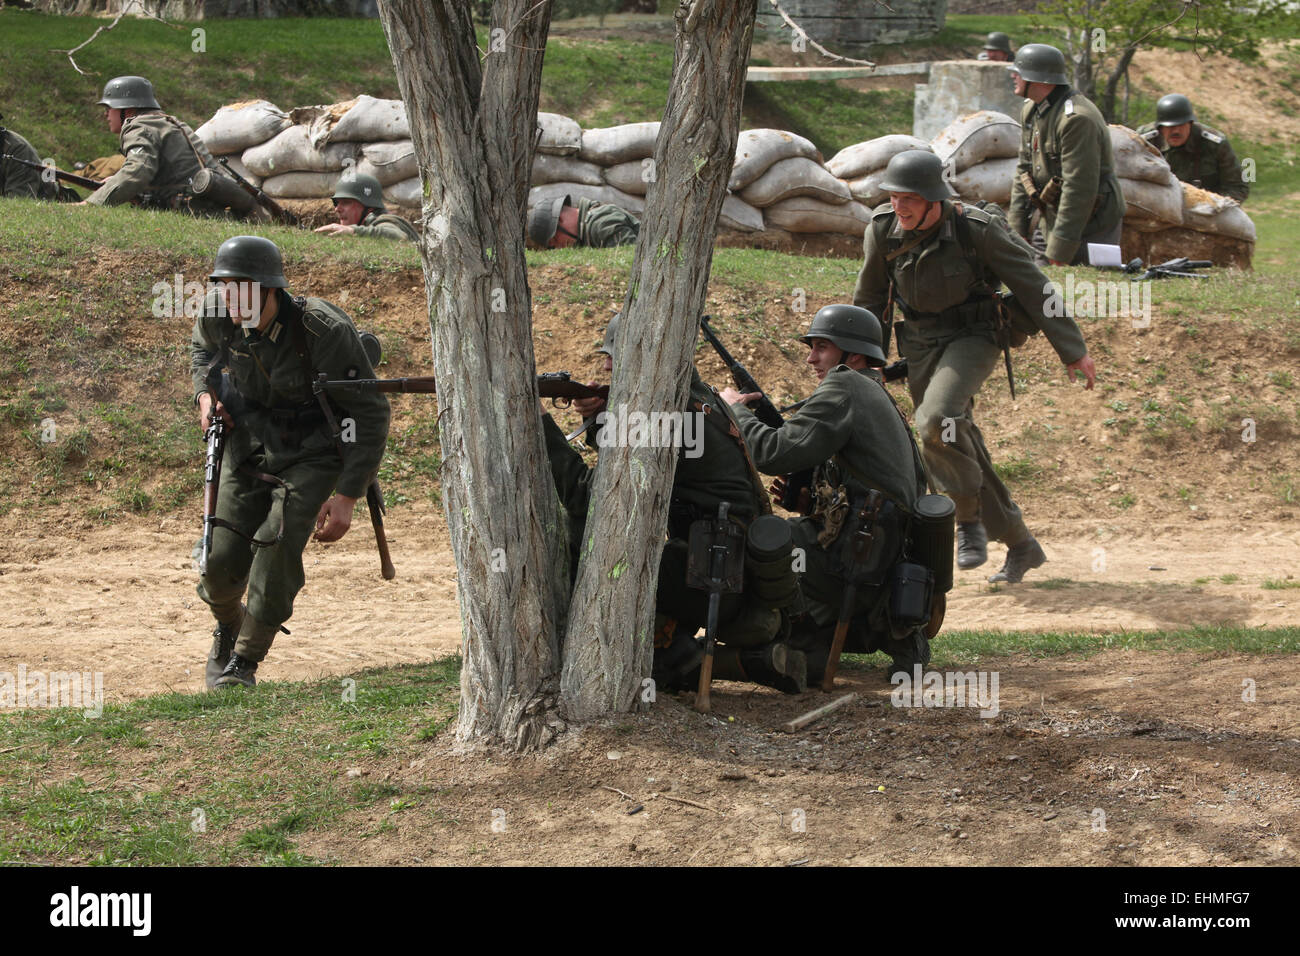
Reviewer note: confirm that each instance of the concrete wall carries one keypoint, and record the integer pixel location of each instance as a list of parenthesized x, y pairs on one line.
[(854, 24), (959, 87)]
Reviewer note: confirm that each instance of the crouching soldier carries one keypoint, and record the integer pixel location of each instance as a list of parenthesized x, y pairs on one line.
[(294, 460), (359, 204), (711, 469), (864, 460)]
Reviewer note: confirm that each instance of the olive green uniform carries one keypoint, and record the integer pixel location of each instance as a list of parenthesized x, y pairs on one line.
[(162, 156), (852, 433), (943, 292), (1206, 160), (603, 224), (17, 179), (281, 431), (719, 473), (1065, 138), (386, 225)]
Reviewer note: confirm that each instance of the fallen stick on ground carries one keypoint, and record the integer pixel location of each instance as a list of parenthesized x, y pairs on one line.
[(804, 720)]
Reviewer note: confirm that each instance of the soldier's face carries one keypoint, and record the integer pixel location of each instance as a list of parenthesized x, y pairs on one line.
[(349, 211), (243, 301), (1176, 135), (824, 355), (910, 208), (566, 230), (1019, 84), (114, 119), (998, 56)]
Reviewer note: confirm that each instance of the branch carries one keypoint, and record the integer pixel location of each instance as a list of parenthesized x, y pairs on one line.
[(801, 32), (125, 10)]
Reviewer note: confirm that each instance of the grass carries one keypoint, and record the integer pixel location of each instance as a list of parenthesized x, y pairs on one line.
[(130, 790)]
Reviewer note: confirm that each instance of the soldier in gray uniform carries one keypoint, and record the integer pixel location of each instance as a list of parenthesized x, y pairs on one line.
[(997, 48), (558, 223), (1196, 153), (282, 459), (17, 179), (163, 155), (359, 204), (1067, 166), (851, 432), (940, 264)]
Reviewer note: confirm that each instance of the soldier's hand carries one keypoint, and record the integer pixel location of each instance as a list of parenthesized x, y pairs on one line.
[(1086, 368), (206, 409), (733, 397), (589, 407), (334, 518), (336, 229)]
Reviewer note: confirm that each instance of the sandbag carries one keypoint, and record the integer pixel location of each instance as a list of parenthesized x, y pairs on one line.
[(389, 162), (805, 214), (796, 176), (406, 193), (1205, 211), (291, 151), (320, 120), (740, 215), (860, 159), (560, 136), (758, 149), (633, 204), (300, 185), (631, 177), (1144, 200), (1135, 158), (549, 168), (371, 120), (990, 180), (619, 144), (986, 134), (236, 127), (867, 189)]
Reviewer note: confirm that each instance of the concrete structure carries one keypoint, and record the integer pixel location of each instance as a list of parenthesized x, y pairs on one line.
[(957, 88), (852, 25)]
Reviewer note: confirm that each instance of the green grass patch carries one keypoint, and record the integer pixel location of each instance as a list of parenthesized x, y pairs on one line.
[(1280, 584)]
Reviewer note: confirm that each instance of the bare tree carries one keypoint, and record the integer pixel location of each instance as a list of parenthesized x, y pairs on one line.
[(472, 119)]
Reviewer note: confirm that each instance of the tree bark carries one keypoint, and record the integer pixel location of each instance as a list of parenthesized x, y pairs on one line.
[(608, 645), (473, 124)]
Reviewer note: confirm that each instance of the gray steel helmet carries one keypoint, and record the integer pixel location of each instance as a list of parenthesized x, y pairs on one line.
[(250, 257), (1040, 63), (850, 327), (364, 189), (916, 171), (1174, 110), (999, 41), (611, 333), (129, 92), (544, 219)]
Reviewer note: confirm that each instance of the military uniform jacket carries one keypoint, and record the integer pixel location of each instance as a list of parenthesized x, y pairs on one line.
[(268, 374), (602, 225), (850, 419), (19, 180), (161, 159), (386, 225), (1065, 136), (1206, 160), (939, 275)]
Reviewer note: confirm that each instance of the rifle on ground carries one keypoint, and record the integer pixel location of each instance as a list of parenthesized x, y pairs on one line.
[(1179, 268), (85, 182), (557, 386), (797, 484), (278, 212), (859, 550), (715, 563)]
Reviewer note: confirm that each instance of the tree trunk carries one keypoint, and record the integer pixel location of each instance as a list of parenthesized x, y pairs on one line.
[(474, 128), (1107, 102), (608, 645)]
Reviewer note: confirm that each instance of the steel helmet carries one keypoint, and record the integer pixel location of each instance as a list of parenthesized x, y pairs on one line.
[(916, 171), (544, 219), (129, 92), (250, 257), (1040, 63), (849, 327), (999, 41), (1174, 110), (364, 189)]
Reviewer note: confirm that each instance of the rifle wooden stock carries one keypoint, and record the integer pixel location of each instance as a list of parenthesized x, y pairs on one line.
[(837, 642), (278, 212), (85, 182), (375, 503)]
